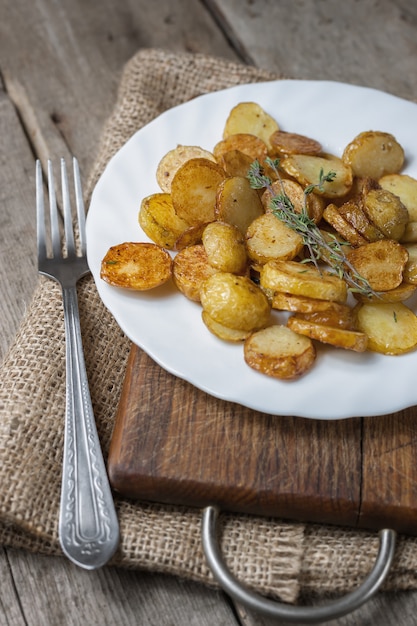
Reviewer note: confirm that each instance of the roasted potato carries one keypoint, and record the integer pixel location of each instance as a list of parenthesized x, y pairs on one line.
[(399, 294), (302, 304), (237, 203), (190, 269), (235, 301), (381, 263), (159, 221), (303, 279), (137, 266), (405, 187), (306, 170), (194, 189), (246, 143), (353, 213), (225, 247), (268, 238), (235, 162), (410, 233), (301, 201), (334, 217), (374, 154), (172, 161), (190, 236), (284, 144), (337, 337), (279, 352), (387, 212), (410, 270), (226, 333), (391, 327), (250, 117)]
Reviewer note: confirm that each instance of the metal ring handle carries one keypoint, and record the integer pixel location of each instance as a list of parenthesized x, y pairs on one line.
[(270, 608)]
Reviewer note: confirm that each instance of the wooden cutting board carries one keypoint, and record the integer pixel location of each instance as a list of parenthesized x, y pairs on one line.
[(175, 444)]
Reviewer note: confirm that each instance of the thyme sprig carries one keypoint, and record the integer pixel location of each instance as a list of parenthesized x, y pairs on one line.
[(319, 248)]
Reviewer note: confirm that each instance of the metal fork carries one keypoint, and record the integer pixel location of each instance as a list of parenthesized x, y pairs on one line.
[(88, 525)]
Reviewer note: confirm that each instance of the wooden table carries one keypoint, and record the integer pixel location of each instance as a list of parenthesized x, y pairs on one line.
[(60, 63)]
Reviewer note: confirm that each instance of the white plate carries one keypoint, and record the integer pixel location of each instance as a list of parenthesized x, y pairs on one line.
[(168, 326)]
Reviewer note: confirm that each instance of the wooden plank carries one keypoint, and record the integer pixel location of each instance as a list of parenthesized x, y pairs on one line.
[(174, 443)]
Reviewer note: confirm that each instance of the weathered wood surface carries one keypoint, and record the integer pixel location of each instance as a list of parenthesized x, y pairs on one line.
[(59, 68)]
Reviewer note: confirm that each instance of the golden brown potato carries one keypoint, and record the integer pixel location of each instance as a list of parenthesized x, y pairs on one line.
[(250, 117), (410, 233), (159, 221), (190, 236), (248, 144), (268, 238), (405, 187), (284, 143), (311, 202), (194, 189), (374, 154), (235, 301), (387, 212), (306, 170), (136, 265), (190, 269), (381, 263), (302, 304), (279, 352), (337, 337), (399, 294), (172, 161), (391, 328), (225, 247), (356, 216), (303, 280), (342, 318), (235, 162), (237, 203), (224, 332), (333, 216), (410, 270)]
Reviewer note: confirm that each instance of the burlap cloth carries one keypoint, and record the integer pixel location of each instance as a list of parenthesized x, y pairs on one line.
[(284, 560)]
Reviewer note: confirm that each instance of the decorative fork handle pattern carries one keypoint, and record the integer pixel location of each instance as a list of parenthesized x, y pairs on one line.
[(88, 525)]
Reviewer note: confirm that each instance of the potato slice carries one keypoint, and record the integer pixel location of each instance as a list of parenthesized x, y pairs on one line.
[(250, 117), (381, 263), (284, 143), (391, 328), (302, 304), (306, 170), (235, 301), (387, 212), (190, 269), (342, 318), (235, 163), (224, 332), (194, 189), (399, 294), (268, 238), (191, 236), (337, 337), (410, 270), (237, 203), (374, 154), (410, 233), (225, 247), (159, 221), (174, 159), (313, 203), (302, 280), (333, 216), (405, 187), (138, 266), (279, 352), (252, 146), (356, 216)]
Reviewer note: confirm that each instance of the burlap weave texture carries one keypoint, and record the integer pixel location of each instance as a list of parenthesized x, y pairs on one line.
[(274, 557)]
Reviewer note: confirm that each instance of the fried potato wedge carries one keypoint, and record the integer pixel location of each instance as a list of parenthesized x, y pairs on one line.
[(190, 269), (250, 117), (224, 332), (279, 352), (312, 203), (159, 221), (225, 247), (405, 187), (306, 170), (284, 143), (268, 238), (410, 270), (391, 327), (381, 263), (249, 144), (337, 337), (374, 154), (399, 294), (334, 217), (302, 280), (172, 161), (237, 203), (138, 266), (235, 301), (194, 189), (387, 212)]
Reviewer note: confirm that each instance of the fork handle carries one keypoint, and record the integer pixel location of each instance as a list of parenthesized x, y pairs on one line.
[(88, 525)]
